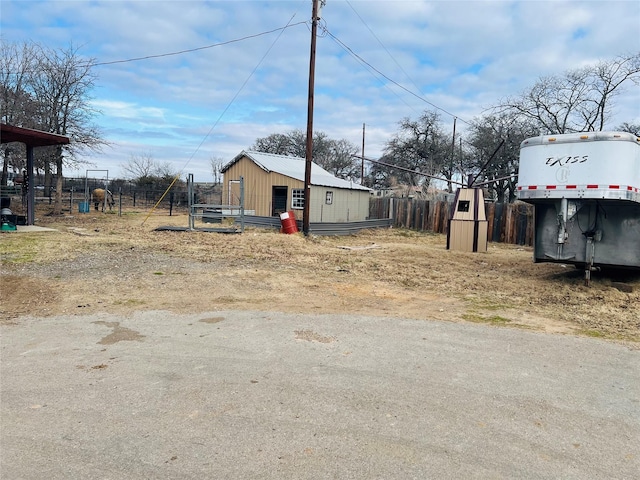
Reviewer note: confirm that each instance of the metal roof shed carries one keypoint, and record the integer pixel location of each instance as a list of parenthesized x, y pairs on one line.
[(275, 184), (31, 138)]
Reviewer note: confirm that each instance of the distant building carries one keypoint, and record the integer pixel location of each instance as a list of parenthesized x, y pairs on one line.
[(275, 184), (412, 191)]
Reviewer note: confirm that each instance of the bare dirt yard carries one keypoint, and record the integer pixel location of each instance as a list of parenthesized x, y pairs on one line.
[(103, 262)]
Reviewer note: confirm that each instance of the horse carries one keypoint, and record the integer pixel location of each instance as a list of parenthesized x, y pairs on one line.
[(98, 198)]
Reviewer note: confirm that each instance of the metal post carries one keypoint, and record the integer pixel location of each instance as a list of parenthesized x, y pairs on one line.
[(31, 192), (242, 204), (309, 149), (190, 194)]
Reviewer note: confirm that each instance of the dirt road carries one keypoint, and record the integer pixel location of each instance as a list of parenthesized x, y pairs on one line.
[(265, 395)]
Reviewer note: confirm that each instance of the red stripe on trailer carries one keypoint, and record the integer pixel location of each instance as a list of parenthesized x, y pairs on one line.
[(519, 188), (532, 187), (551, 187), (592, 186), (630, 189), (614, 187), (572, 186)]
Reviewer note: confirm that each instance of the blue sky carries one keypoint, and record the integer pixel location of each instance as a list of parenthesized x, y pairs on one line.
[(185, 109)]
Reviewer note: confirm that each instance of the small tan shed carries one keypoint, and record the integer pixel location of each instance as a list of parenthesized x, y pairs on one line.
[(468, 223), (274, 184)]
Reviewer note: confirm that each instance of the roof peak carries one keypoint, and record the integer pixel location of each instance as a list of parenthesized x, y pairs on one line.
[(278, 155)]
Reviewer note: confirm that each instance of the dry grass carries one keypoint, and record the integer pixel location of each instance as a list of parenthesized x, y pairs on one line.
[(104, 262)]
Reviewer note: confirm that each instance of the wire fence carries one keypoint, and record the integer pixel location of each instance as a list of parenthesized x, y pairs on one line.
[(507, 222), (77, 191)]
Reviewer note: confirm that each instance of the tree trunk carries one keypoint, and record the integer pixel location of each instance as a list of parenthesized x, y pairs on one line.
[(5, 166), (57, 205), (47, 175)]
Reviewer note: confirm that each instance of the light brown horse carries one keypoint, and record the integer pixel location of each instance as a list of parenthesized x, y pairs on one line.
[(98, 198)]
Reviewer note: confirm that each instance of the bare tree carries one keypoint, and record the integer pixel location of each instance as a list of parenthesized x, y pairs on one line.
[(139, 166), (578, 101), (216, 169), (147, 172), (16, 64), (276, 143), (341, 160), (62, 85), (500, 136), (165, 170), (51, 93), (420, 146), (17, 107), (633, 128), (334, 156), (608, 80)]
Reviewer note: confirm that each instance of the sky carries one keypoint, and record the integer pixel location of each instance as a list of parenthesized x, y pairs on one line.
[(377, 62)]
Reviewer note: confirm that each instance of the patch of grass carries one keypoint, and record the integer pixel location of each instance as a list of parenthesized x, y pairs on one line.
[(130, 302), (226, 299), (593, 333), (20, 249), (487, 304), (404, 232), (492, 320), (158, 273)]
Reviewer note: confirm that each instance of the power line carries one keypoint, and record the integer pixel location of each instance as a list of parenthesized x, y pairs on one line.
[(382, 45), (223, 113), (169, 54), (359, 58), (384, 84), (248, 37), (404, 169)]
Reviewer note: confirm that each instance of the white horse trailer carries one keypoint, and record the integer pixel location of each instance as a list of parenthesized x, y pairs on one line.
[(585, 189)]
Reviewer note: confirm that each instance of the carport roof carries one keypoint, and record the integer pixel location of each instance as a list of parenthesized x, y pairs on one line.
[(30, 137)]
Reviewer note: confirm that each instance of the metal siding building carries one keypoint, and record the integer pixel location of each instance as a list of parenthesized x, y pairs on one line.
[(275, 183)]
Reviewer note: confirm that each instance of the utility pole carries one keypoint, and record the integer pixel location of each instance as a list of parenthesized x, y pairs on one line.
[(453, 152), (309, 149), (362, 165)]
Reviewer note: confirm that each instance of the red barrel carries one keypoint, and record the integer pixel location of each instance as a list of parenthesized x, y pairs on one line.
[(288, 222)]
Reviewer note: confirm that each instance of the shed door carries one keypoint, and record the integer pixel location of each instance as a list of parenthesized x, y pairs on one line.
[(279, 201)]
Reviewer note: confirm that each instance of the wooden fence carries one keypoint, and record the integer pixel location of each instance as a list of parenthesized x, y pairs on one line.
[(507, 222)]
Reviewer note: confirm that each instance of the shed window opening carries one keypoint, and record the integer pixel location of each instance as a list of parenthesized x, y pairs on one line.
[(297, 199), (463, 205), (328, 198)]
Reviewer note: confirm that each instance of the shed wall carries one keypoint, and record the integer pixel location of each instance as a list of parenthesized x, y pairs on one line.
[(345, 206), (258, 186)]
